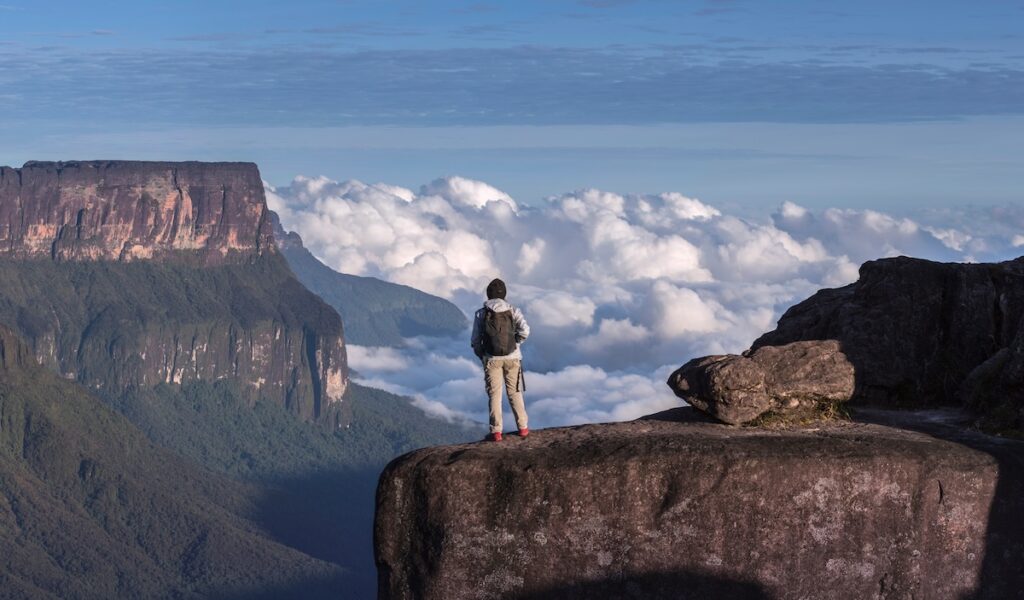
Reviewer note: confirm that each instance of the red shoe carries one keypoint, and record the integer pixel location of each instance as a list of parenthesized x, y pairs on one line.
[(493, 437), (524, 432)]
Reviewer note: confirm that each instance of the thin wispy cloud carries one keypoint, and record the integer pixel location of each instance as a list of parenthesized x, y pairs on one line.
[(477, 8), (717, 7), (365, 29), (684, 84), (223, 36), (605, 3)]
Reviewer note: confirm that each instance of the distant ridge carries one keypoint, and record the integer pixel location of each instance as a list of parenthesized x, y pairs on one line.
[(375, 312)]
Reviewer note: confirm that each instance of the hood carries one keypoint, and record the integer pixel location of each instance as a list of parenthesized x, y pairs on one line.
[(498, 305)]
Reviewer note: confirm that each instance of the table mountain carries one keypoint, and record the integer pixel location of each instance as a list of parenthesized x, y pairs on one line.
[(124, 275), (158, 288), (129, 210)]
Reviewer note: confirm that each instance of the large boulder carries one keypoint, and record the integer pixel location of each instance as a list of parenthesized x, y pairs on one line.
[(677, 507), (793, 379), (917, 334)]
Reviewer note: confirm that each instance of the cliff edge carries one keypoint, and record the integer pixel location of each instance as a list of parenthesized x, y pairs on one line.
[(894, 504), (675, 506)]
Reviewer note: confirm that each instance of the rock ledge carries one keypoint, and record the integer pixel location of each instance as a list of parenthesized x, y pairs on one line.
[(674, 506)]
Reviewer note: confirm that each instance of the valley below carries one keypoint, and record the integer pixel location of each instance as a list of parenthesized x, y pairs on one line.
[(176, 412)]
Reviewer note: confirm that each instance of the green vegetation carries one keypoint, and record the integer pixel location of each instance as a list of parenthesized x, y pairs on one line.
[(375, 312), (816, 413), (90, 508), (203, 488), (317, 484), (134, 296), (128, 325), (211, 424)]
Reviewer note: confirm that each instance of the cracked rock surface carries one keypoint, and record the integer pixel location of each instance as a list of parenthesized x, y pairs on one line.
[(677, 506)]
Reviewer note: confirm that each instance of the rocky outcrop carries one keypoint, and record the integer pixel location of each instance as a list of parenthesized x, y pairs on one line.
[(126, 210), (918, 333), (676, 507), (123, 275), (793, 378)]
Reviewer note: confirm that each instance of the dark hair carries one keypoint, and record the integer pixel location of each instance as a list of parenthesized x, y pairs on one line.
[(496, 289)]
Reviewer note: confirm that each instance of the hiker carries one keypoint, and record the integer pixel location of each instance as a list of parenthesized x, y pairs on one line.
[(498, 329)]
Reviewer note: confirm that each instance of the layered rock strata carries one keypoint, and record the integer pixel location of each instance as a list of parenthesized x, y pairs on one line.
[(130, 210), (675, 507), (918, 333), (126, 274)]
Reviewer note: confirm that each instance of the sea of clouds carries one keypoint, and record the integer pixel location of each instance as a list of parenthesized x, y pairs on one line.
[(619, 290)]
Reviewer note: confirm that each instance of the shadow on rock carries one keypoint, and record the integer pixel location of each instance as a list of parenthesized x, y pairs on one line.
[(654, 586), (683, 414), (1001, 574)]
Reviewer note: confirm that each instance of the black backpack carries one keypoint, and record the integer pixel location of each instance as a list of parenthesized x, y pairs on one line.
[(499, 333)]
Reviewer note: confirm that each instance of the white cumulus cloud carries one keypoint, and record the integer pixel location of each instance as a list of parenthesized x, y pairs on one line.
[(619, 289)]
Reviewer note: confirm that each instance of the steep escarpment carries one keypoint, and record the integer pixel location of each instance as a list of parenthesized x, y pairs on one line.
[(677, 507), (908, 333), (90, 508), (129, 210), (125, 275)]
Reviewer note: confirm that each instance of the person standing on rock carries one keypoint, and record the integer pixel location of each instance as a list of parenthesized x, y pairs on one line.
[(498, 330)]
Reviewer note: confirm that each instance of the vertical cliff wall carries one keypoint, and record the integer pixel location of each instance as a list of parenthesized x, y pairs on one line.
[(127, 210), (129, 274)]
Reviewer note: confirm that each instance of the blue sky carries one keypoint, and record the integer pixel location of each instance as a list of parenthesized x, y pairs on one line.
[(746, 104)]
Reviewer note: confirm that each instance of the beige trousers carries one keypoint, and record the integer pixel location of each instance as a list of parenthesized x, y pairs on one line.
[(507, 371)]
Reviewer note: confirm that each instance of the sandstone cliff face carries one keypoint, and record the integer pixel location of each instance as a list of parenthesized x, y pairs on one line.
[(124, 274), (917, 333), (672, 507), (126, 210)]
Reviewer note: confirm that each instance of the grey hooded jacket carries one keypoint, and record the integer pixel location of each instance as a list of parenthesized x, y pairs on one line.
[(498, 305)]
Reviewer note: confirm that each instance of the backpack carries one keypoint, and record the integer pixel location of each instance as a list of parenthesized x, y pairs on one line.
[(499, 333)]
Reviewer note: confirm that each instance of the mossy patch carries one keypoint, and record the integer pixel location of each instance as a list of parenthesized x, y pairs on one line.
[(815, 414)]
